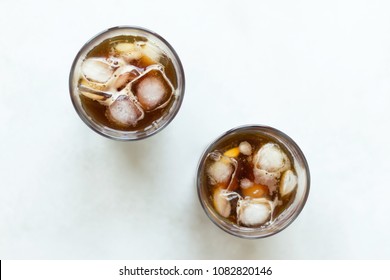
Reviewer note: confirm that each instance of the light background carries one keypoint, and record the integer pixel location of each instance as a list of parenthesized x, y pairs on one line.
[(317, 70)]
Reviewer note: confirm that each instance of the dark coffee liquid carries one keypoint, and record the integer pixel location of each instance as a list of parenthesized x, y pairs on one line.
[(97, 111)]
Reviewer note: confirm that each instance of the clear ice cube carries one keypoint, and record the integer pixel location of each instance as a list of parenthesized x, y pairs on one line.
[(288, 182), (123, 79), (221, 171), (246, 183), (254, 212), (152, 90), (129, 51), (222, 202), (124, 112), (152, 52), (245, 148), (97, 70), (94, 94), (265, 178), (271, 158)]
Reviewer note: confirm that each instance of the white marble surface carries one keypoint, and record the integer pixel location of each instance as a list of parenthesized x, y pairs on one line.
[(317, 70)]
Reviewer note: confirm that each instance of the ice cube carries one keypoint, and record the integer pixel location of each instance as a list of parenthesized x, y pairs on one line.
[(94, 94), (246, 183), (129, 51), (220, 171), (271, 158), (152, 51), (288, 182), (153, 90), (125, 78), (221, 202), (269, 179), (125, 47), (97, 70), (245, 148), (124, 112), (253, 212)]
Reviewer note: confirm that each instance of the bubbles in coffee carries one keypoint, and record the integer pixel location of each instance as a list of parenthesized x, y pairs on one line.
[(127, 83), (250, 179)]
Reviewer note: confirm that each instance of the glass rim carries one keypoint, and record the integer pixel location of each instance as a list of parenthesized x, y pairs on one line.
[(130, 135), (240, 231)]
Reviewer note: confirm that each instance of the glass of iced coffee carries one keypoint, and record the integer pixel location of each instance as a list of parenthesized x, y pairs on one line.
[(253, 181), (127, 83)]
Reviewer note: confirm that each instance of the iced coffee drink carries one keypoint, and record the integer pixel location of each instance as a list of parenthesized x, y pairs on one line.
[(127, 83), (252, 181)]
